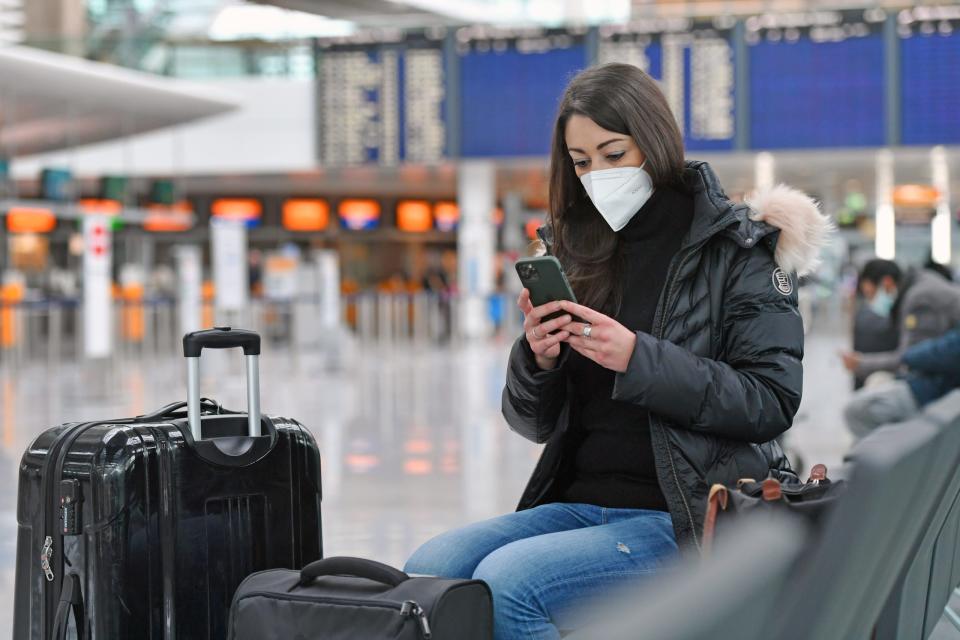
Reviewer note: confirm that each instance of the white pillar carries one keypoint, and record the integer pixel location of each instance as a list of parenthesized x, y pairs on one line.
[(886, 225), (189, 261), (97, 290), (230, 279), (476, 198), (328, 282), (764, 170), (941, 228)]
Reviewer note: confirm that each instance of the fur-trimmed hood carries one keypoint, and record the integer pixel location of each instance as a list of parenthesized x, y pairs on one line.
[(786, 219), (804, 229)]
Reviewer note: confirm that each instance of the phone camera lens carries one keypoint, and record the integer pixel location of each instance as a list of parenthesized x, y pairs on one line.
[(528, 271)]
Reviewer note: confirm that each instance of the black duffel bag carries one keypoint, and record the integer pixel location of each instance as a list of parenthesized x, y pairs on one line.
[(811, 500), (353, 598)]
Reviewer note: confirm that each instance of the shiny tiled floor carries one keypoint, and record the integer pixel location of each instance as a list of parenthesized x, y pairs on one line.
[(412, 439)]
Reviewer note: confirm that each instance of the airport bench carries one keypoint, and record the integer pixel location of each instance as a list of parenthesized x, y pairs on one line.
[(900, 510)]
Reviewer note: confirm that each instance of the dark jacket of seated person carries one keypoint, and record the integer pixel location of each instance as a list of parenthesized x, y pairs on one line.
[(927, 307), (934, 367)]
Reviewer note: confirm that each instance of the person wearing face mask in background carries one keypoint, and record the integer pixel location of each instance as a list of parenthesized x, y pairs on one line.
[(686, 342), (920, 305), (873, 332)]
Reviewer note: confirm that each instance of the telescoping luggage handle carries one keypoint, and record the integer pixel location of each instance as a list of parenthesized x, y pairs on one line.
[(222, 338)]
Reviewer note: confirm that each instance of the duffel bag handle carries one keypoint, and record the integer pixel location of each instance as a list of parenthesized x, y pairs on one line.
[(357, 567)]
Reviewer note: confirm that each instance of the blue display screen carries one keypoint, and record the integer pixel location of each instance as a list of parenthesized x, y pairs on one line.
[(695, 70), (509, 98), (807, 94), (930, 66)]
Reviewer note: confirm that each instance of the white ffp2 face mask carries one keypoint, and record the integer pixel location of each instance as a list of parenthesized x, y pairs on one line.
[(618, 193)]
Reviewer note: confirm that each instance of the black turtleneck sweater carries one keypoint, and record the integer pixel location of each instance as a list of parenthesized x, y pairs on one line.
[(612, 462)]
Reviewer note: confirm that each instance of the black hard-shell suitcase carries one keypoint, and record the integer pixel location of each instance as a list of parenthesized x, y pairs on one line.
[(357, 599), (138, 528)]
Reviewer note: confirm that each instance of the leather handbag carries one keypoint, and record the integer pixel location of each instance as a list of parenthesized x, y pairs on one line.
[(811, 500)]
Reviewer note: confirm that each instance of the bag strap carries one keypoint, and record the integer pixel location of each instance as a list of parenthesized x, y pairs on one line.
[(71, 600), (717, 500), (175, 409)]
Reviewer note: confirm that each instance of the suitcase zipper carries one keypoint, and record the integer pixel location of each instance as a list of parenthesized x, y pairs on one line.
[(51, 504), (45, 556), (50, 499), (407, 608)]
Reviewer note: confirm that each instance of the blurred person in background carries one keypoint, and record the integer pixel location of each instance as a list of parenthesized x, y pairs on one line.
[(873, 331), (920, 304), (255, 272), (436, 283), (680, 368), (933, 370), (434, 279)]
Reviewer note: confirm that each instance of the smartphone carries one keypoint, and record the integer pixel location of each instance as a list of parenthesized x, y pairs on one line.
[(544, 278)]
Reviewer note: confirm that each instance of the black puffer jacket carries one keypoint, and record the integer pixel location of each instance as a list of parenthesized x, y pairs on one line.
[(721, 373)]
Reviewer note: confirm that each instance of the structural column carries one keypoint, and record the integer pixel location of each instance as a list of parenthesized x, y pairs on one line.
[(476, 197), (97, 281), (228, 238), (941, 230), (886, 224), (764, 171)]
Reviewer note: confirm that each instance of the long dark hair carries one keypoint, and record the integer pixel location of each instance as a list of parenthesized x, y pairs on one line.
[(626, 100)]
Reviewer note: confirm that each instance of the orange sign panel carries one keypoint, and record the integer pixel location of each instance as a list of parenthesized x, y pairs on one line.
[(102, 207), (915, 195), (303, 214), (237, 208), (30, 220), (169, 218), (414, 216)]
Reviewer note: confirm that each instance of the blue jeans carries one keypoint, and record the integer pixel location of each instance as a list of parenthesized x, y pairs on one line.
[(542, 564)]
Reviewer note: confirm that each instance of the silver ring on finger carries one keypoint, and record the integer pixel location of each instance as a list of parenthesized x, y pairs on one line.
[(535, 334), (587, 330)]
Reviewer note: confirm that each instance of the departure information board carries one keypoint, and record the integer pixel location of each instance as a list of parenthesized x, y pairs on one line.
[(930, 72), (510, 86), (382, 103), (694, 63), (817, 79)]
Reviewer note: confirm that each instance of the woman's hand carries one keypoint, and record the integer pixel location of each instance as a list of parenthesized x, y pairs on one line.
[(610, 343), (543, 342)]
